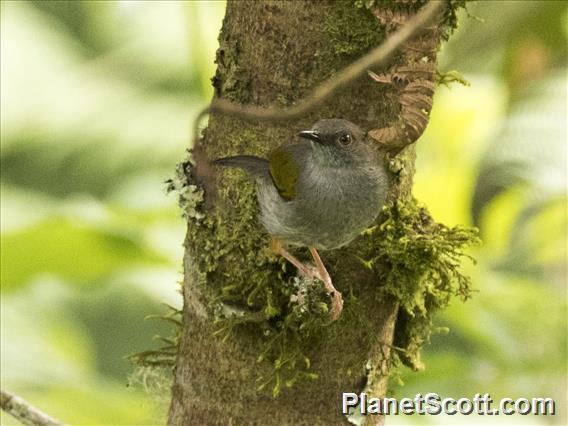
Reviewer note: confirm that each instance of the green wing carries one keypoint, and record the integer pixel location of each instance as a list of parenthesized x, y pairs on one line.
[(284, 172)]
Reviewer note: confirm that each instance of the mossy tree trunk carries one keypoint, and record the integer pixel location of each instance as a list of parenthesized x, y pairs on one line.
[(235, 336)]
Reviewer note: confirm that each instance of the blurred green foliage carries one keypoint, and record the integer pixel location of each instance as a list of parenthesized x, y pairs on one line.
[(97, 100), (96, 105)]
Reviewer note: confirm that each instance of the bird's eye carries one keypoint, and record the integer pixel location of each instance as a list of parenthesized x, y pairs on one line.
[(345, 139)]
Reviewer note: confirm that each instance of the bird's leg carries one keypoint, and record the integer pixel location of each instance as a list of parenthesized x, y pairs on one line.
[(336, 299), (319, 272), (277, 247)]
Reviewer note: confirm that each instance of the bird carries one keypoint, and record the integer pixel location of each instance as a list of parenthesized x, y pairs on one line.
[(320, 192)]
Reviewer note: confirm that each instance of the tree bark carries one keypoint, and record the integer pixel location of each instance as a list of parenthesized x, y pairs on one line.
[(274, 53)]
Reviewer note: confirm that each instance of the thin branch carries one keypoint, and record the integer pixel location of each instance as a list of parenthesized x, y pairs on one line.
[(24, 412), (376, 57)]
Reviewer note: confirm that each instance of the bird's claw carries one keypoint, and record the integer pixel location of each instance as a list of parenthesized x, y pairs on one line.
[(336, 305), (315, 272), (336, 298)]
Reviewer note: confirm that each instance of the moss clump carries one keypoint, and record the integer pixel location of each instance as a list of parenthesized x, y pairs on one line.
[(449, 21), (450, 77), (450, 17), (365, 4), (190, 196), (293, 312), (230, 79), (306, 313), (417, 261), (352, 31), (153, 369), (268, 299), (165, 356)]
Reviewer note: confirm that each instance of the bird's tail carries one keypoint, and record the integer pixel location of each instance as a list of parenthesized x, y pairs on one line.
[(255, 166)]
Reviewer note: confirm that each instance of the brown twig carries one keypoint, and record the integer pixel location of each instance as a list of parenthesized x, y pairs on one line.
[(374, 58), (24, 412)]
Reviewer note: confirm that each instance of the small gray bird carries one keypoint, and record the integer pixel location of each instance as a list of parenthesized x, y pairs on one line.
[(320, 194)]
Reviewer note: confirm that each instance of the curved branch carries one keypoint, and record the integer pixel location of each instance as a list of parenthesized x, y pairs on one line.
[(375, 57), (24, 412)]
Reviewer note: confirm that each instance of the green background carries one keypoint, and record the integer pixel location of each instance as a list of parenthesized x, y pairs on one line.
[(97, 102)]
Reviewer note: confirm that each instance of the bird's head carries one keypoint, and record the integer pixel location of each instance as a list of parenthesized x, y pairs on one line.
[(338, 142)]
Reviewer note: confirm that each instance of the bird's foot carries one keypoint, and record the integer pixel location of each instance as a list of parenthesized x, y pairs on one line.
[(323, 275), (318, 271), (313, 272), (336, 298)]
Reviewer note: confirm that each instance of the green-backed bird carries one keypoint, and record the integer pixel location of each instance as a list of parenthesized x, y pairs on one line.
[(320, 194)]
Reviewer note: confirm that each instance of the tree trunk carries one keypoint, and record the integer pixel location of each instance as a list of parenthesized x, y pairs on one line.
[(272, 53)]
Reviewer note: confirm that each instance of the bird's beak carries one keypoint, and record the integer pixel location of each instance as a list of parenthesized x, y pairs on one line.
[(311, 135)]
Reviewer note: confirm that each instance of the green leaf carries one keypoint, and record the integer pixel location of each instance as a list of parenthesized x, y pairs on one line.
[(68, 250)]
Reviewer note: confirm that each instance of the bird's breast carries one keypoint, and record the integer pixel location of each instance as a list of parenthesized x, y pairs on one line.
[(331, 208)]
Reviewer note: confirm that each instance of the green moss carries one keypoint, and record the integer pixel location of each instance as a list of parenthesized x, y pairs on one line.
[(230, 79), (288, 312), (351, 31), (305, 313), (417, 261), (365, 4), (153, 369), (391, 4), (449, 20), (269, 297), (165, 356), (450, 17), (190, 195), (450, 77)]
